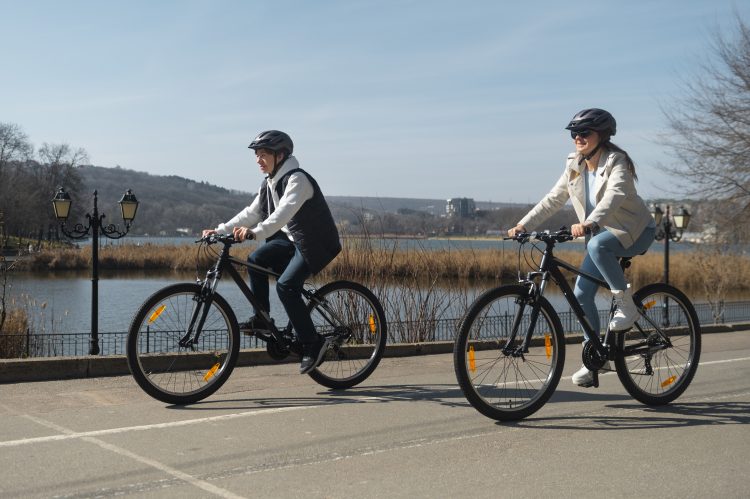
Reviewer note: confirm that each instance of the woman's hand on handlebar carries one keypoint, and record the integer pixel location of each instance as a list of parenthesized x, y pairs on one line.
[(580, 230), (516, 230), (242, 233), (208, 232)]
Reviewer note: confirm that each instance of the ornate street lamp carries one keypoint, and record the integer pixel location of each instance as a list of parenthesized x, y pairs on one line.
[(128, 207), (669, 230)]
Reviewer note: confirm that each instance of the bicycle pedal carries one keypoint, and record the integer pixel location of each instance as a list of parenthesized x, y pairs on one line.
[(595, 379)]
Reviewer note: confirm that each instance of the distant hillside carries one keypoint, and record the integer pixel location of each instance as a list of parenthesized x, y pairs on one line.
[(168, 203)]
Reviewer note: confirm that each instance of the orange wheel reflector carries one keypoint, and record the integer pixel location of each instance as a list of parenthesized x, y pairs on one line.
[(156, 314), (211, 372), (668, 381), (649, 304)]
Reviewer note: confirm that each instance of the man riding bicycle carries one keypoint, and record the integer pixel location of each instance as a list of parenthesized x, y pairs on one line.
[(301, 238)]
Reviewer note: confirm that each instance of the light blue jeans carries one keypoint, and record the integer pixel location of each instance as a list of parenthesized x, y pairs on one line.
[(601, 261)]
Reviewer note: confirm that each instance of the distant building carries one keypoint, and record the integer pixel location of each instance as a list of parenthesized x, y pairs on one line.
[(460, 207)]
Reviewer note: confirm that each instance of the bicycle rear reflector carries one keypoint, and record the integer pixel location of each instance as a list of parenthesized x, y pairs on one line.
[(668, 381), (156, 314), (472, 363), (547, 345), (211, 372)]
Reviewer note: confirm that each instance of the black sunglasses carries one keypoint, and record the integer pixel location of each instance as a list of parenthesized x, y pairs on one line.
[(580, 133)]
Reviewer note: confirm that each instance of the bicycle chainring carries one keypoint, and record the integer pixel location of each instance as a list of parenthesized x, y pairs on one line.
[(591, 357), (276, 351)]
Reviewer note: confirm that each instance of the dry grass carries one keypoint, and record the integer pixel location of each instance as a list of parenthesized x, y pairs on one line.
[(367, 260), (12, 333)]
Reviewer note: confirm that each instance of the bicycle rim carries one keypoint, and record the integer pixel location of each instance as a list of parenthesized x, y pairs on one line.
[(180, 374), (655, 370), (353, 319), (498, 383)]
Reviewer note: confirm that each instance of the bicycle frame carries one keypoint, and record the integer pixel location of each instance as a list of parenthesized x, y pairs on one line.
[(549, 268), (225, 264)]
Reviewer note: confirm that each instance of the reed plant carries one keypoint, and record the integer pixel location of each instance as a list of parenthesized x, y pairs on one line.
[(368, 259)]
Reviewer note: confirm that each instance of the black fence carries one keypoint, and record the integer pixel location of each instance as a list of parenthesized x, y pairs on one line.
[(113, 343)]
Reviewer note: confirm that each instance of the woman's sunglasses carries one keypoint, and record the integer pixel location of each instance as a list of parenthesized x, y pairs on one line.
[(580, 133)]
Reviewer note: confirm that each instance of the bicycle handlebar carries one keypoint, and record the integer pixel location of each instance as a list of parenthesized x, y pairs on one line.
[(560, 236), (218, 238)]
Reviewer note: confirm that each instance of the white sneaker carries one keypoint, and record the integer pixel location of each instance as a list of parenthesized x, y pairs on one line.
[(626, 313), (585, 378)]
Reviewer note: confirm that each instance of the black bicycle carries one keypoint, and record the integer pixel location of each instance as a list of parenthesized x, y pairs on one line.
[(510, 348), (184, 341)]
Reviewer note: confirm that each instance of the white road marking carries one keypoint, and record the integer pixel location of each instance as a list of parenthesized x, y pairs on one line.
[(172, 424), (196, 482)]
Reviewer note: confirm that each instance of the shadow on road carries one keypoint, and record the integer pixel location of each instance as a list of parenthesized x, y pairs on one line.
[(645, 417), (449, 395)]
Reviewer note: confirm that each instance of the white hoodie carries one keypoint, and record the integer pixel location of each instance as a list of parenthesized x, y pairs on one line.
[(298, 190)]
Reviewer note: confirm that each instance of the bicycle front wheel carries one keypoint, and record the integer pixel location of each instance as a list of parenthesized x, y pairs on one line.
[(499, 378), (657, 359), (353, 319), (171, 357)]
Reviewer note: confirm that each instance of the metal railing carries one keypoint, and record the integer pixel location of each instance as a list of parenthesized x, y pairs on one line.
[(113, 343)]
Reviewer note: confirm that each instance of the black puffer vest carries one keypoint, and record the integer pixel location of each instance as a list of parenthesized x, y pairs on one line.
[(312, 227)]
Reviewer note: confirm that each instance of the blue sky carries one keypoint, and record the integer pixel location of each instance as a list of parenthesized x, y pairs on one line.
[(425, 99)]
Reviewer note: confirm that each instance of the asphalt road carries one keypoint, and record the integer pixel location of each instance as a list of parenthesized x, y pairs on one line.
[(405, 432)]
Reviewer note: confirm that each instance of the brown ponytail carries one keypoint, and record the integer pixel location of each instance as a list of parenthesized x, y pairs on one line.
[(628, 161)]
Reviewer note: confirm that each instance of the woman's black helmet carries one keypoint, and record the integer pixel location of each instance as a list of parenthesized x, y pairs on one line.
[(593, 119), (273, 140)]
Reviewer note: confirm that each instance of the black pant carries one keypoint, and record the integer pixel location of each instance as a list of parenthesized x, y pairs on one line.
[(281, 255)]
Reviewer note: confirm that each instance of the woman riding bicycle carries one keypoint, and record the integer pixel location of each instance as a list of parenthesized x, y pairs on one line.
[(599, 179), (292, 215)]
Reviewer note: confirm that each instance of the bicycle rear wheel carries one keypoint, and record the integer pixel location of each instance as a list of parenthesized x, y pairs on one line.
[(185, 374), (498, 379), (351, 315), (657, 359)]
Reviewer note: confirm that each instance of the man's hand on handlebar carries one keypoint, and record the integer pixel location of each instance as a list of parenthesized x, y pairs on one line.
[(516, 230), (242, 233)]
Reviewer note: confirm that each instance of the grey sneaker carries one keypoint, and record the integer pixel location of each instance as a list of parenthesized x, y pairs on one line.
[(313, 355)]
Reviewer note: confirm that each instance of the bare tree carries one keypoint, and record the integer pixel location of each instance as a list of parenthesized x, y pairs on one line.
[(14, 145), (710, 129), (15, 150), (57, 167)]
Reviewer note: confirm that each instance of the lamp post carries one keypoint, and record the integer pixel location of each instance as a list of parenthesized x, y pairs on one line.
[(128, 207), (669, 230)]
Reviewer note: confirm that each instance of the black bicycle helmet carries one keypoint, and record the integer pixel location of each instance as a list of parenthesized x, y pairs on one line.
[(594, 119), (273, 140)]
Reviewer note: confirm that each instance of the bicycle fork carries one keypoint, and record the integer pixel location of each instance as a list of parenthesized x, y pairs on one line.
[(200, 312), (522, 303)]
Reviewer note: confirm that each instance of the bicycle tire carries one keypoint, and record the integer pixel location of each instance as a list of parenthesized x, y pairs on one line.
[(506, 387), (169, 372), (652, 371), (354, 356)]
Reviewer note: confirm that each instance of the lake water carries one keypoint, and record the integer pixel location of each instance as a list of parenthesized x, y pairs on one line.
[(61, 302)]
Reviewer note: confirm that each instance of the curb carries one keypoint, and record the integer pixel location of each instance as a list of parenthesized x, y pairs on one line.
[(91, 366)]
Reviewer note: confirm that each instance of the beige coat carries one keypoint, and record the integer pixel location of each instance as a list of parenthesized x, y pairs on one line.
[(619, 209)]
